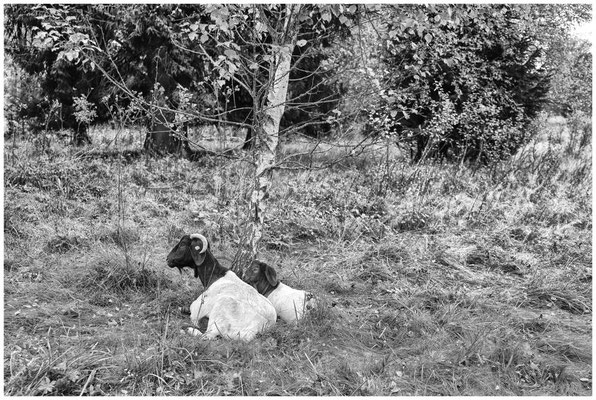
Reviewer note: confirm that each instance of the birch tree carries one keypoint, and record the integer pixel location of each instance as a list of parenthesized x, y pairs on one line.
[(256, 46), (248, 48), (282, 48)]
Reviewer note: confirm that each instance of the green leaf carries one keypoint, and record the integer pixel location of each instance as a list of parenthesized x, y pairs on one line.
[(336, 9), (46, 386), (260, 27), (71, 55), (73, 375), (303, 17), (231, 54)]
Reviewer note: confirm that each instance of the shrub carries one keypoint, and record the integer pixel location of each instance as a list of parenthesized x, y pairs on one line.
[(462, 90)]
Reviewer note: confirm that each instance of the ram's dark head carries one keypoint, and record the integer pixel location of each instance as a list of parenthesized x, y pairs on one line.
[(262, 277), (193, 251), (190, 252)]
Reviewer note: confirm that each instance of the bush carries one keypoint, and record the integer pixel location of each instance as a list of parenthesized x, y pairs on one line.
[(467, 90)]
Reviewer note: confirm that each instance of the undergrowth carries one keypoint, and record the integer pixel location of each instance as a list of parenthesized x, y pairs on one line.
[(433, 279)]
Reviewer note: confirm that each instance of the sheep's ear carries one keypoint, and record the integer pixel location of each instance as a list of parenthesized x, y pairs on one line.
[(197, 256), (270, 274)]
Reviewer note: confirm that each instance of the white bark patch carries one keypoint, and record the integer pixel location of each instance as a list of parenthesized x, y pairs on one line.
[(268, 135)]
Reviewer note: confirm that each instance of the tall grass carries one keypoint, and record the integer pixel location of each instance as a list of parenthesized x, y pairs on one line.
[(434, 279)]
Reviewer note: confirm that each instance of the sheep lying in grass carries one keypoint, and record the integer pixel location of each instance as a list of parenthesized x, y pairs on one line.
[(234, 308), (290, 304)]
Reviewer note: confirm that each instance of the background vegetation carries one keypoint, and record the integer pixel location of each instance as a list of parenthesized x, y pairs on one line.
[(438, 273)]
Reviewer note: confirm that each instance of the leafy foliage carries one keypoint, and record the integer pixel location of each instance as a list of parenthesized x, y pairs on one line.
[(463, 81), (239, 41), (217, 56), (23, 98), (572, 85), (31, 34)]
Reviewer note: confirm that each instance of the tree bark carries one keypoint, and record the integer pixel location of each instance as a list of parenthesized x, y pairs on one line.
[(162, 136), (163, 140), (267, 132), (80, 136)]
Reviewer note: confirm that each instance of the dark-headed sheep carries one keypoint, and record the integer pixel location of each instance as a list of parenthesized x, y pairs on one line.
[(234, 308), (290, 304)]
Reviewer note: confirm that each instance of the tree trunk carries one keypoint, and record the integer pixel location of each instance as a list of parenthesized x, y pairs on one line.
[(163, 140), (268, 139), (162, 136), (266, 133), (80, 136)]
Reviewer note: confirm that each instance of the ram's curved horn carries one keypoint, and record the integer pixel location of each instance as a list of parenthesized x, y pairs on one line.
[(202, 239)]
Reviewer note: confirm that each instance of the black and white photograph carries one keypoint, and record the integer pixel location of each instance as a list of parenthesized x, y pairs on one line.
[(309, 199)]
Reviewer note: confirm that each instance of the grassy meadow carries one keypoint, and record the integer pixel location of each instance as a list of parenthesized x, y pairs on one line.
[(434, 279)]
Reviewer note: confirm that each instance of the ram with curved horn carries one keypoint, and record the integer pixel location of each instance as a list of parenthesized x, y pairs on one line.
[(234, 308)]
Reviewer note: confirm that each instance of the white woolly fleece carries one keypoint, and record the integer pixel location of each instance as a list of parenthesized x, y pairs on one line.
[(234, 308), (290, 304)]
